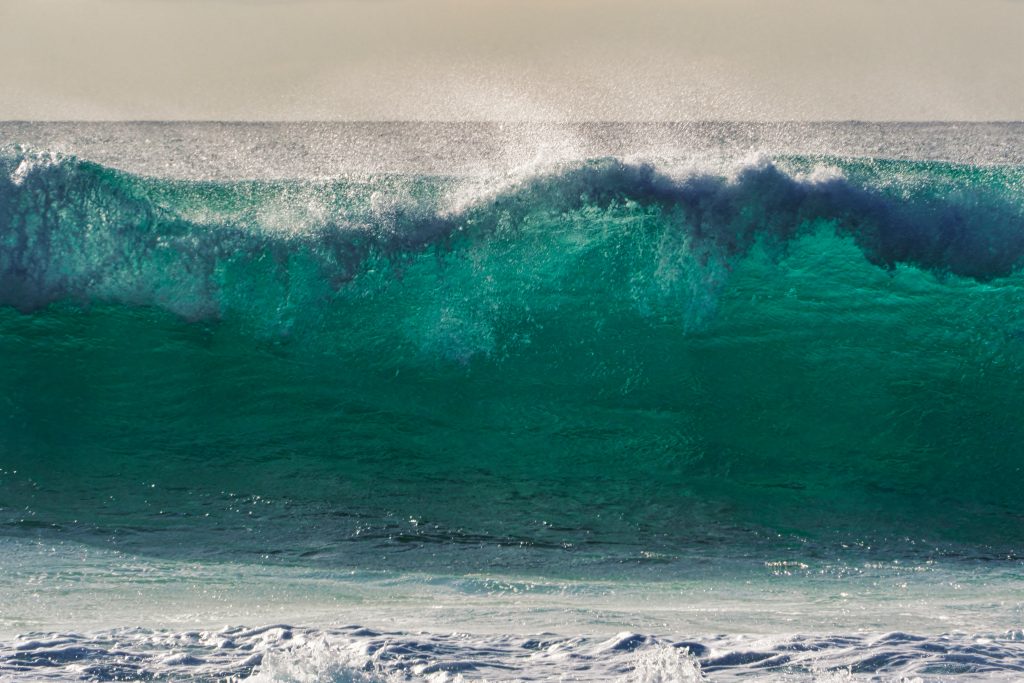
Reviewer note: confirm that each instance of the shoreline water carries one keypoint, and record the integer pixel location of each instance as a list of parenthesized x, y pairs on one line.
[(183, 616)]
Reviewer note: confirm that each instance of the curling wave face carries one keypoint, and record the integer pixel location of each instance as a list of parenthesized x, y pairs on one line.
[(601, 357), (77, 230)]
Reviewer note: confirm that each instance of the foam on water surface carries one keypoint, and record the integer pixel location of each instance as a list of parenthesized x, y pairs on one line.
[(286, 654), (828, 624)]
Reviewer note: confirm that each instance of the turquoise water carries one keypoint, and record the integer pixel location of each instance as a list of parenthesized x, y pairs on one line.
[(594, 356), (595, 370)]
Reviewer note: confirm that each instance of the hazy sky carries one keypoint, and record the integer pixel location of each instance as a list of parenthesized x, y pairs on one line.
[(512, 59)]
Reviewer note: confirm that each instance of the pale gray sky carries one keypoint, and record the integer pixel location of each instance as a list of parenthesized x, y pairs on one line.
[(512, 59)]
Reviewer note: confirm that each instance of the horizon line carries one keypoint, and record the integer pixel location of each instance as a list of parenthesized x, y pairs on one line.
[(522, 121)]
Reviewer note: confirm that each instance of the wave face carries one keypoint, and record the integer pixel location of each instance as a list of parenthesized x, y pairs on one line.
[(586, 361)]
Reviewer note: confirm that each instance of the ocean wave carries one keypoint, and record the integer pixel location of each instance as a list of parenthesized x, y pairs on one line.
[(805, 345)]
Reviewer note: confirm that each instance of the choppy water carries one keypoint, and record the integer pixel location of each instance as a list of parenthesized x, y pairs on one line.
[(402, 361), (281, 653)]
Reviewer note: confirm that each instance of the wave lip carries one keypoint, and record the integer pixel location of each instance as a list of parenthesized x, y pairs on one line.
[(75, 230)]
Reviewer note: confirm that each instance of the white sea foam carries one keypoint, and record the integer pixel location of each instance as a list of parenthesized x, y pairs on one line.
[(282, 654)]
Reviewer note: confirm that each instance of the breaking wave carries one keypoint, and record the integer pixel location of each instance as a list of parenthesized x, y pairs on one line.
[(76, 230), (599, 355)]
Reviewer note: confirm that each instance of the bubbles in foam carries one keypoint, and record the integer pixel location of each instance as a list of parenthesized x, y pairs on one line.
[(663, 664), (317, 661)]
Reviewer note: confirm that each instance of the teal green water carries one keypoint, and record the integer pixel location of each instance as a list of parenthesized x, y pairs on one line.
[(593, 362)]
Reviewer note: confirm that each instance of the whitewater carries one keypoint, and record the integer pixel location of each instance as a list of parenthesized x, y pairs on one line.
[(496, 401)]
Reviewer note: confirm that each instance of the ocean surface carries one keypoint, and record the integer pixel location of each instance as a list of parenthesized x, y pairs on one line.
[(484, 401)]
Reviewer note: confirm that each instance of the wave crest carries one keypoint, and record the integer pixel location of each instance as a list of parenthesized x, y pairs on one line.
[(75, 230)]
